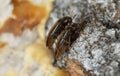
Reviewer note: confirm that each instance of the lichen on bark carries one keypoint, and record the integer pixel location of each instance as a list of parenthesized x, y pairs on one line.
[(98, 46)]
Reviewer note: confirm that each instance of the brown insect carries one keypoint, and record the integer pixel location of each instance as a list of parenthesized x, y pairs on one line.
[(65, 32)]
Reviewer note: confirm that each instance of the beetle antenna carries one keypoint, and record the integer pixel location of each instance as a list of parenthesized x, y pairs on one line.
[(74, 16)]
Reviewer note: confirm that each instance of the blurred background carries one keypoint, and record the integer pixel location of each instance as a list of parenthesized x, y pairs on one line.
[(22, 39)]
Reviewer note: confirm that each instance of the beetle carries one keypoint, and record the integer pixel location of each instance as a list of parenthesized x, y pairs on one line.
[(56, 30), (65, 32)]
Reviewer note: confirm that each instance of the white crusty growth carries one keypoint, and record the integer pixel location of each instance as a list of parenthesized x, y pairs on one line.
[(6, 9)]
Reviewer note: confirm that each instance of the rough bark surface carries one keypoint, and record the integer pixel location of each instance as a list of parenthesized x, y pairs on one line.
[(98, 46)]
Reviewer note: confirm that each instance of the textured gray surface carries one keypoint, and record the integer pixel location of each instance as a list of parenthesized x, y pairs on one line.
[(97, 48)]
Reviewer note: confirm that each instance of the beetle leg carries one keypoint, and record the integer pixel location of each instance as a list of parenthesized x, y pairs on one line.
[(57, 51), (62, 44)]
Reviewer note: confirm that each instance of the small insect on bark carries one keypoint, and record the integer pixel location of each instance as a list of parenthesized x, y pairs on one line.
[(65, 32), (57, 28)]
